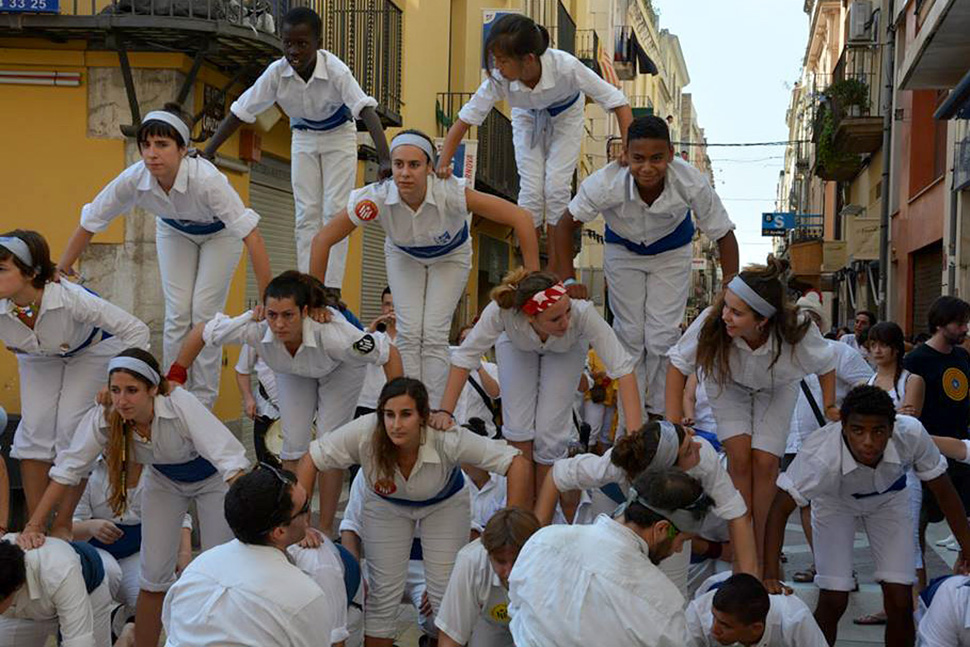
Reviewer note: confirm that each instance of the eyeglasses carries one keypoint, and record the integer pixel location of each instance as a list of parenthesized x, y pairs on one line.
[(282, 495)]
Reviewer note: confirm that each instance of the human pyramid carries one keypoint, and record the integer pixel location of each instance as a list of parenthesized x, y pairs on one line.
[(563, 494)]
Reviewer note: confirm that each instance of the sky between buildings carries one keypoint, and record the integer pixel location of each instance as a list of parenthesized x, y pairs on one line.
[(743, 57)]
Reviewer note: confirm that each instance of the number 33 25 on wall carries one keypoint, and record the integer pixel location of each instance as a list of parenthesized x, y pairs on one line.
[(30, 6)]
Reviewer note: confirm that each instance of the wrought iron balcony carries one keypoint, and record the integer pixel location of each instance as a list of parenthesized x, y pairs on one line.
[(807, 227), (642, 106), (856, 94), (495, 171), (587, 49)]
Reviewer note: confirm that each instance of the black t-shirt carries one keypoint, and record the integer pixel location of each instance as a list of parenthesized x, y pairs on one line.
[(946, 407)]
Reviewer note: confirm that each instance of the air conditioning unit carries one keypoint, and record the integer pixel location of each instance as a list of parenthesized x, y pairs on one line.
[(860, 21)]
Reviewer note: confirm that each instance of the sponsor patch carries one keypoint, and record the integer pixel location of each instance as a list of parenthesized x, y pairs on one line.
[(385, 487), (500, 613), (365, 344), (366, 210)]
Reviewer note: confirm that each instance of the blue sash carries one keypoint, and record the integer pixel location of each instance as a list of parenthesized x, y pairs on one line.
[(195, 228), (542, 121), (341, 116), (454, 485), (94, 334), (556, 109), (898, 485), (930, 591), (710, 437), (351, 572), (435, 251), (92, 568), (128, 545), (679, 237), (417, 553), (197, 469), (613, 491)]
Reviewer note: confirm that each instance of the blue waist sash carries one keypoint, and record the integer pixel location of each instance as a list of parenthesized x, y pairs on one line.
[(898, 485), (128, 545), (930, 591), (92, 568), (435, 251), (195, 228), (556, 109), (542, 121), (679, 237), (351, 573), (454, 485), (92, 337), (613, 491), (710, 437), (197, 469), (341, 116)]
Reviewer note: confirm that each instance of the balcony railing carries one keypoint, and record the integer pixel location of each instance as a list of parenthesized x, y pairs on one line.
[(553, 15), (587, 49), (614, 148), (495, 171), (808, 227), (642, 106), (856, 96)]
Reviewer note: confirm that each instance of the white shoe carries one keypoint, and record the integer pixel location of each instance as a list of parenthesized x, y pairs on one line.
[(949, 540), (954, 546)]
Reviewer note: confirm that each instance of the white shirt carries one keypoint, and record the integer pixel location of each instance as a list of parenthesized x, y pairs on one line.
[(67, 317), (55, 590), (438, 455), (237, 594), (332, 86), (754, 368), (586, 326), (947, 622), (470, 403), (182, 430), (440, 218), (613, 192), (585, 512), (324, 566), (488, 500), (563, 75), (789, 623), (825, 470), (325, 345), (592, 585), (588, 471), (474, 591), (201, 195), (851, 370), (374, 380), (250, 362)]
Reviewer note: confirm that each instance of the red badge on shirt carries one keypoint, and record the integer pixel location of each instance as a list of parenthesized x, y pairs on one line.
[(365, 210), (385, 487)]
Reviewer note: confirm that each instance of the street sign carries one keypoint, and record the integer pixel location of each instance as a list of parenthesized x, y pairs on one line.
[(30, 6), (776, 224)]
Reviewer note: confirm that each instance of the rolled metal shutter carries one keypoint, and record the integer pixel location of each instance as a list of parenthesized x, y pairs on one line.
[(271, 196), (927, 283), (373, 273)]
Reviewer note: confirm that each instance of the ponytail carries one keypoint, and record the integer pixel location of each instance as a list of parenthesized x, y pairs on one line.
[(519, 285), (634, 452), (515, 36), (305, 290)]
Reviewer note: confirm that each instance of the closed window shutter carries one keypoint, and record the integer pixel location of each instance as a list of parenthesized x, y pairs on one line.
[(927, 284), (373, 273), (271, 196)]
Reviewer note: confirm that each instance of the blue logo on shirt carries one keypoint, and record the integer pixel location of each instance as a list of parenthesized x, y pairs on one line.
[(443, 238)]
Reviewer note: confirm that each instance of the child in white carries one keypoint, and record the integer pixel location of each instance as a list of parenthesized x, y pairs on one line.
[(427, 247), (63, 336), (320, 95), (650, 207), (546, 89), (201, 226)]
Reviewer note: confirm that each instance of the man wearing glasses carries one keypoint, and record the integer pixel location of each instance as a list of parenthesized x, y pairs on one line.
[(248, 591)]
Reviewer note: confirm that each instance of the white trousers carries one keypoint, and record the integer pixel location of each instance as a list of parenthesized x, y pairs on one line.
[(546, 176), (164, 504), (20, 632), (599, 417), (324, 168), (55, 393), (889, 525), (196, 272), (765, 415), (426, 293), (537, 392), (387, 544), (330, 399), (648, 297)]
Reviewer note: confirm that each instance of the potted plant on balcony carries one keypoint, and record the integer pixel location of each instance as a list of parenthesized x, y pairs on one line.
[(851, 94), (831, 163)]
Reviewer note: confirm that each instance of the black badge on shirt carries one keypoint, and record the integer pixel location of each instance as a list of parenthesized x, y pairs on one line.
[(365, 344)]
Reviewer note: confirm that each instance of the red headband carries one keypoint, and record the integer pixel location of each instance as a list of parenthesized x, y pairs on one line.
[(544, 300)]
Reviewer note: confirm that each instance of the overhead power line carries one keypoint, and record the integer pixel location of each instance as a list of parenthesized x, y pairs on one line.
[(742, 144)]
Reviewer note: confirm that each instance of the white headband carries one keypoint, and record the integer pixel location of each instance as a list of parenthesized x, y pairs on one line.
[(667, 448), (18, 248), (752, 298), (180, 126), (413, 140), (136, 365)]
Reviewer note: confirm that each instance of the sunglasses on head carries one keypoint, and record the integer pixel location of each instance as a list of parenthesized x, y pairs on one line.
[(282, 495)]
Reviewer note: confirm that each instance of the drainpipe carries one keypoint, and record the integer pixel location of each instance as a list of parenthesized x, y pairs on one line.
[(951, 265), (889, 56)]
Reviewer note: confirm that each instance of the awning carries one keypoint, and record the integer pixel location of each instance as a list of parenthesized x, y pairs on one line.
[(957, 105)]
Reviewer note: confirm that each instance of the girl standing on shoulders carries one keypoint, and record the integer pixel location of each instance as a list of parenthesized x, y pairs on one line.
[(201, 227), (753, 348), (428, 248), (547, 90), (63, 336), (541, 337)]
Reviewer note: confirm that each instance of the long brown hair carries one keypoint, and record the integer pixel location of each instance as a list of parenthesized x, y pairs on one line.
[(714, 343), (118, 452), (519, 285), (385, 452)]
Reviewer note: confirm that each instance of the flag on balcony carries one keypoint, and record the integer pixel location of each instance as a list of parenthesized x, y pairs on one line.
[(606, 65)]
